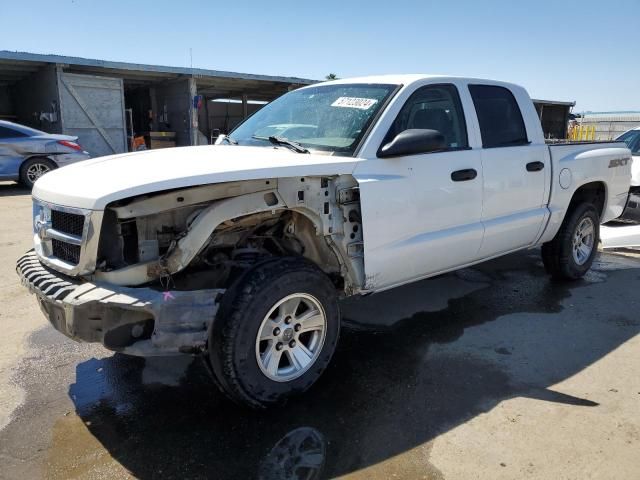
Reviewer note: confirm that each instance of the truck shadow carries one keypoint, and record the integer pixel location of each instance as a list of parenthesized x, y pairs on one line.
[(396, 382), (11, 189)]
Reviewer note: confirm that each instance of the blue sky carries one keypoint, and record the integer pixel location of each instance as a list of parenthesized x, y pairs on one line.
[(585, 51)]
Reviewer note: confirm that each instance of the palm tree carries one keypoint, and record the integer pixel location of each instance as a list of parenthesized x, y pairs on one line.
[(331, 76)]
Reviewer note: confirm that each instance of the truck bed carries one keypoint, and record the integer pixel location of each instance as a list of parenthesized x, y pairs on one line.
[(575, 164)]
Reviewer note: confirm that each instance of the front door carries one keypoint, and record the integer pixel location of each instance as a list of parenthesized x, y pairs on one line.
[(422, 213)]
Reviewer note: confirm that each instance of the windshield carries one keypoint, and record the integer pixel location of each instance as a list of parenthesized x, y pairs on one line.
[(330, 118), (632, 139)]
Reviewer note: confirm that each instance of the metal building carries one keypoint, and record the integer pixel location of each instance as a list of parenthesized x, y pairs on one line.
[(107, 103), (609, 125)]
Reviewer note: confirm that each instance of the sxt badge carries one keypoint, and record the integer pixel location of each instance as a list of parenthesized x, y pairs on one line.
[(618, 162)]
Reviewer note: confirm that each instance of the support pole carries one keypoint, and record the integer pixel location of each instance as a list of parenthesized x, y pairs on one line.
[(245, 106)]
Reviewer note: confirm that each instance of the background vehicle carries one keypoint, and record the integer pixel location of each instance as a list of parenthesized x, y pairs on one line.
[(632, 139), (240, 251), (26, 154), (624, 231)]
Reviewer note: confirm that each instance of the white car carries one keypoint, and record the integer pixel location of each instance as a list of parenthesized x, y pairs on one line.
[(632, 139), (239, 252), (631, 213), (624, 232)]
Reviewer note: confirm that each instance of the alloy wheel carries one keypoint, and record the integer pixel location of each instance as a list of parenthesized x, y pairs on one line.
[(291, 337), (583, 241), (36, 170)]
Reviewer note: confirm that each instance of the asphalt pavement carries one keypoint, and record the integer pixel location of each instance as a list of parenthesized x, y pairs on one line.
[(489, 372)]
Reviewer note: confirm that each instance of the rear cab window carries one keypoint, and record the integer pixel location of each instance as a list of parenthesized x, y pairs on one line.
[(499, 116)]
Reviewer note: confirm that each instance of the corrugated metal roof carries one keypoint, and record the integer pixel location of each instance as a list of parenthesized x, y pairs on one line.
[(614, 112), (140, 67), (553, 102)]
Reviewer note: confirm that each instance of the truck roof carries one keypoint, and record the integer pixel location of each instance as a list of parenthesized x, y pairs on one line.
[(406, 79)]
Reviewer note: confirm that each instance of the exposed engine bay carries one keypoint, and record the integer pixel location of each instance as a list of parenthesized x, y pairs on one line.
[(204, 237)]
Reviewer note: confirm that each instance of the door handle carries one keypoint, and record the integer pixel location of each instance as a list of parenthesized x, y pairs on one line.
[(534, 166), (464, 175)]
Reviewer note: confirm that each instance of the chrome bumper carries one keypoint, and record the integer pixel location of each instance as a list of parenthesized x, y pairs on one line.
[(136, 321)]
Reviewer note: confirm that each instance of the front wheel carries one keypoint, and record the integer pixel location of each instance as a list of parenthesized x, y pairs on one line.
[(572, 251), (275, 332)]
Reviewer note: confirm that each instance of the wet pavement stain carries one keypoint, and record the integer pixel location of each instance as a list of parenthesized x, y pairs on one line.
[(76, 453), (395, 384)]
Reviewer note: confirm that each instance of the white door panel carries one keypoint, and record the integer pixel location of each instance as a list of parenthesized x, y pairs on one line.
[(500, 232), (416, 220), (514, 198)]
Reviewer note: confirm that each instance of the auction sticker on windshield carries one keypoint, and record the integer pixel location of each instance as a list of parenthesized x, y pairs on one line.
[(355, 102)]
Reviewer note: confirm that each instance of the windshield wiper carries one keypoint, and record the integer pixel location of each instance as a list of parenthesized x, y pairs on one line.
[(232, 141), (296, 147)]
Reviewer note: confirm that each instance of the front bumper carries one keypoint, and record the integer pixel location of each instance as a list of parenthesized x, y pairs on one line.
[(136, 321)]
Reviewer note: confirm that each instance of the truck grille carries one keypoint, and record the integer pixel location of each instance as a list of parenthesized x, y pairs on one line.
[(66, 251), (65, 222), (59, 236)]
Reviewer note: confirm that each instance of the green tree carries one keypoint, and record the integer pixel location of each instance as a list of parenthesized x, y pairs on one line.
[(331, 76)]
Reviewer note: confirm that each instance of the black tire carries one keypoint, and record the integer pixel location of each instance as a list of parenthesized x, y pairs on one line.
[(557, 255), (232, 339), (30, 163)]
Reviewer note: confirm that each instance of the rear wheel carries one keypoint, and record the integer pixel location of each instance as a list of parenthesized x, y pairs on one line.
[(33, 168), (275, 332), (570, 254)]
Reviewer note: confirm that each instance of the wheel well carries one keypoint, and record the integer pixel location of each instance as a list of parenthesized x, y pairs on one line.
[(250, 239), (33, 157), (594, 192)]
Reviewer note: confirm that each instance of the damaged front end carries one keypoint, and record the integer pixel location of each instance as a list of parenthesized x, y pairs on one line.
[(136, 321), (146, 275)]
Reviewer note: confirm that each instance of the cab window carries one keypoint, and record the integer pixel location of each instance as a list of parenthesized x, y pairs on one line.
[(500, 119), (433, 107)]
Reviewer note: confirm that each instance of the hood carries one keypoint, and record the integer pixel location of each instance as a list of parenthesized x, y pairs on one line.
[(93, 184)]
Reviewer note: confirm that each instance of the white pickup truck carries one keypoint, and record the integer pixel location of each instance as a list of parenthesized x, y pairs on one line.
[(240, 251)]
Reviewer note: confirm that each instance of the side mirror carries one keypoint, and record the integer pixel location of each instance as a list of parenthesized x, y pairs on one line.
[(220, 139), (412, 141)]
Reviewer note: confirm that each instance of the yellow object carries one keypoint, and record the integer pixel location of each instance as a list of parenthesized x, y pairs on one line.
[(582, 133)]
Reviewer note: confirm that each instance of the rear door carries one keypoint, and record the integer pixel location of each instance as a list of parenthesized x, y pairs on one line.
[(516, 170), (420, 217)]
